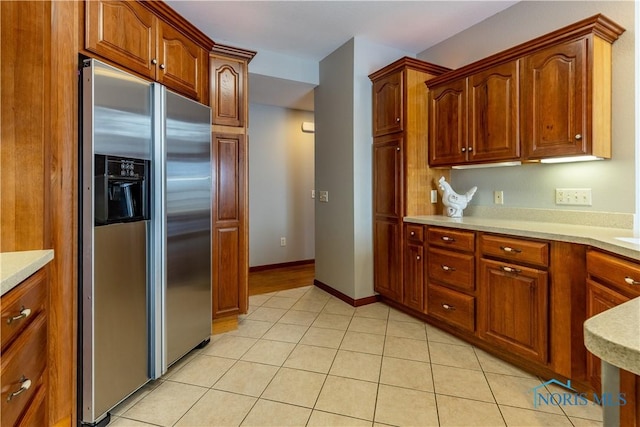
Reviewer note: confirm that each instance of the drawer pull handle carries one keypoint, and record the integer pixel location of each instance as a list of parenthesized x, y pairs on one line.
[(447, 268), (510, 269), (448, 307), (510, 249), (24, 386), (24, 313), (630, 281), (448, 239)]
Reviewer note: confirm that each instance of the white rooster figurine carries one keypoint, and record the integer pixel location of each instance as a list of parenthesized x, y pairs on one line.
[(453, 201)]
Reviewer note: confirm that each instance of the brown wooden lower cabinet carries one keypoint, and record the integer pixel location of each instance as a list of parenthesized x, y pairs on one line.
[(513, 308), (387, 259), (413, 293), (229, 218), (607, 288)]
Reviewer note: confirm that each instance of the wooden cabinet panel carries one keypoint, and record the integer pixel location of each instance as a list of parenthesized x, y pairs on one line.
[(554, 101), (452, 307), (388, 108), (226, 270), (24, 360), (180, 62), (515, 250), (448, 124), (451, 268), (387, 177), (229, 154), (513, 308), (387, 257), (124, 32), (21, 305), (451, 239), (413, 292), (621, 275), (493, 114), (230, 257), (227, 87)]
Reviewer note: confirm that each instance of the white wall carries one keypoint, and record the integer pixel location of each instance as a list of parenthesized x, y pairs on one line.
[(533, 186), (344, 252), (281, 177)]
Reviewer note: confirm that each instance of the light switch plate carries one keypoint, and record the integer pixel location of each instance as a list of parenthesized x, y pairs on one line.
[(573, 196), (324, 196)]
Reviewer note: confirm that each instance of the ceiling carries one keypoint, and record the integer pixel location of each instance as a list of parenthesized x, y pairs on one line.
[(311, 30)]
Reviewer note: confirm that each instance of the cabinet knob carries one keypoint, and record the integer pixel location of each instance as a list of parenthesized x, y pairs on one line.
[(470, 149), (162, 66), (510, 269), (578, 137), (630, 281), (397, 148), (24, 313), (413, 233), (154, 61), (397, 119), (418, 257), (448, 307), (464, 149), (510, 249), (24, 386)]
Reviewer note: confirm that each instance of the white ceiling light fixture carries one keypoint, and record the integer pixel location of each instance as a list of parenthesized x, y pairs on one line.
[(571, 159)]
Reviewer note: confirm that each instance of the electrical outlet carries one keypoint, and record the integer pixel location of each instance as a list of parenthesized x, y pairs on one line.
[(313, 194), (283, 241), (434, 196), (573, 196), (498, 197), (324, 196)]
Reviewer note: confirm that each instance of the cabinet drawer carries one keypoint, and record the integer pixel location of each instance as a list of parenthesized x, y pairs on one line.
[(27, 300), (452, 268), (450, 306), (453, 239), (415, 233), (25, 358), (515, 250), (621, 274)]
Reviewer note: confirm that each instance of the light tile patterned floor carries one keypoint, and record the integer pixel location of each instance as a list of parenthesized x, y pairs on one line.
[(304, 358)]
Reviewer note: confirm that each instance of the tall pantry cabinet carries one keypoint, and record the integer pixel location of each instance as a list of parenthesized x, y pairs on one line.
[(230, 211), (402, 180)]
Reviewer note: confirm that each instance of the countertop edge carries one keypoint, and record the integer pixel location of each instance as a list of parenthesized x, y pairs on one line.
[(613, 336), (17, 266), (599, 237)]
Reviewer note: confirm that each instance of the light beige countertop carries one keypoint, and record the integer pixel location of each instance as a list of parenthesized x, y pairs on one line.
[(613, 336), (17, 266), (610, 239)]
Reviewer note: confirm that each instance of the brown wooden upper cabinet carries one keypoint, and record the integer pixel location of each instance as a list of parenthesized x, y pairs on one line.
[(150, 39), (549, 97), (475, 119), (228, 88), (388, 107)]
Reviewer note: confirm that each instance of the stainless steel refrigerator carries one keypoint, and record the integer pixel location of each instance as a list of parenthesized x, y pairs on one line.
[(146, 234)]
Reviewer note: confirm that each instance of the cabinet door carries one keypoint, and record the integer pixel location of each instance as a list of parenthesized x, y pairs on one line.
[(413, 292), (387, 177), (180, 62), (554, 101), (493, 114), (513, 308), (387, 258), (227, 91), (601, 298), (123, 32), (388, 105), (448, 124), (230, 263)]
